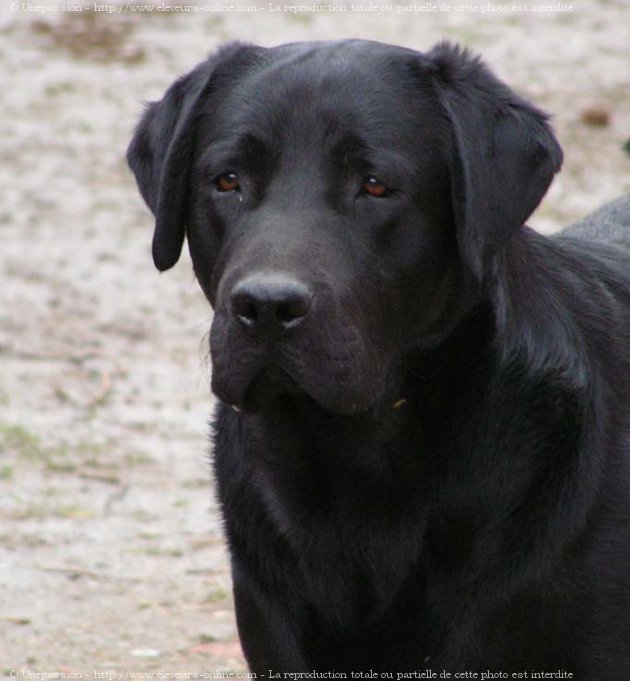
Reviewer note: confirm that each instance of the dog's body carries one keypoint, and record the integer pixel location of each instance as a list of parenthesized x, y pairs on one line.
[(428, 459)]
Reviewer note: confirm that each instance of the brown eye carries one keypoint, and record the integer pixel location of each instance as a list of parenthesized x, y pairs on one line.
[(228, 182), (374, 187)]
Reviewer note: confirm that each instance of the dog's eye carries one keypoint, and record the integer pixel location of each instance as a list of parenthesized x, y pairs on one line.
[(228, 182), (374, 187)]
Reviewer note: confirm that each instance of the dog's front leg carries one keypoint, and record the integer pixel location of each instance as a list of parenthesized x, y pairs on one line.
[(269, 642)]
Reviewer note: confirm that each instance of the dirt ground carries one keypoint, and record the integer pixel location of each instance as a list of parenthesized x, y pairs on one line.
[(111, 552)]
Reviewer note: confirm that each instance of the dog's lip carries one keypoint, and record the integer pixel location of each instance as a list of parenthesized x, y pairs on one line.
[(248, 391), (271, 384), (272, 380)]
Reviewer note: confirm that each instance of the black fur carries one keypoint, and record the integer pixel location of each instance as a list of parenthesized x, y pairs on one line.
[(429, 460)]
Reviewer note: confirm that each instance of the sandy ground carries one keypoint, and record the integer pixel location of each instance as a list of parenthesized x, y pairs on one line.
[(111, 554)]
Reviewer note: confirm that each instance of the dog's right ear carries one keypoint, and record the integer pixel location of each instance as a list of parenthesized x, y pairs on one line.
[(161, 151)]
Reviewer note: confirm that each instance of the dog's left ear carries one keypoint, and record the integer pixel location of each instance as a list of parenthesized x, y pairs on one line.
[(504, 155), (161, 151)]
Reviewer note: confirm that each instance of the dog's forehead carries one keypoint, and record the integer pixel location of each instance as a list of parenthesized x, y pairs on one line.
[(321, 62), (317, 89)]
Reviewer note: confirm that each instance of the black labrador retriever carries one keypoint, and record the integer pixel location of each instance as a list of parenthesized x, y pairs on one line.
[(423, 435)]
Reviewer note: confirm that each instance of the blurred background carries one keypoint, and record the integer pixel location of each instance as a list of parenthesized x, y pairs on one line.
[(111, 553)]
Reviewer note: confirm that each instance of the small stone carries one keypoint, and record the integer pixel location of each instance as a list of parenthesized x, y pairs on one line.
[(596, 115), (145, 652)]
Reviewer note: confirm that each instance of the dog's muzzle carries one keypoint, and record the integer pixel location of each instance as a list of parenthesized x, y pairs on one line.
[(272, 335)]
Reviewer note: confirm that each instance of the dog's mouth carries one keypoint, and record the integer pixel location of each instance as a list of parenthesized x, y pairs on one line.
[(267, 386), (272, 381), (343, 376)]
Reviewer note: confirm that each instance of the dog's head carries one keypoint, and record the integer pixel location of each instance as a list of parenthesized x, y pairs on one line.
[(343, 203)]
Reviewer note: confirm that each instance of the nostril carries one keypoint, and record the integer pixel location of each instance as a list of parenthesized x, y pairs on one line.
[(245, 309), (284, 315), (292, 311), (249, 315)]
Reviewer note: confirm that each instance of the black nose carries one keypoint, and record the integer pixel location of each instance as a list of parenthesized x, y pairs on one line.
[(270, 304)]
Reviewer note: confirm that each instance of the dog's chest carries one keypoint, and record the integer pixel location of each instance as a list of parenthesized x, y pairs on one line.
[(352, 510)]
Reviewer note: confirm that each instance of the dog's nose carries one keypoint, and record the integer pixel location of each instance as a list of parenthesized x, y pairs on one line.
[(270, 304)]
